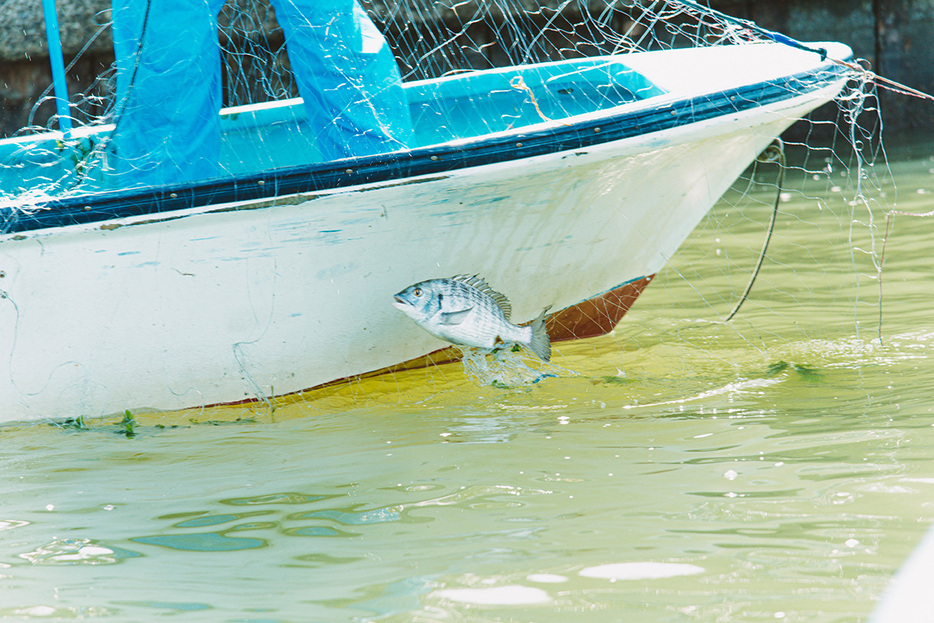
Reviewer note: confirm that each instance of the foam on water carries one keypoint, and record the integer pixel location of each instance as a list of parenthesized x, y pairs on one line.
[(640, 570), (547, 578), (506, 368), (512, 595)]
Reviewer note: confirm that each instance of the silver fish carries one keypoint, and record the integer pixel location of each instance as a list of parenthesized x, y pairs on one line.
[(465, 310)]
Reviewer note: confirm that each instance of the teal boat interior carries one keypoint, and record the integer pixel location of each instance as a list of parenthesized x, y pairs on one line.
[(274, 135)]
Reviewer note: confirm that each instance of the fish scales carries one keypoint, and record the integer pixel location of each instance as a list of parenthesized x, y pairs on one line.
[(489, 323)]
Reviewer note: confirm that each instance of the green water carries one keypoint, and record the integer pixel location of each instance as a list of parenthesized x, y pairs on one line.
[(776, 468)]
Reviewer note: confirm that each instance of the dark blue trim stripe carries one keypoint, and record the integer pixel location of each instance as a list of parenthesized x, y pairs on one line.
[(162, 201)]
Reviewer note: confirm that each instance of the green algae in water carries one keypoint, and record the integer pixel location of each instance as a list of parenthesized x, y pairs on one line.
[(128, 424), (804, 372)]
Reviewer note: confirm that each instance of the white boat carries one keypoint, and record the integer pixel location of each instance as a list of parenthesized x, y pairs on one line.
[(280, 276), (907, 598)]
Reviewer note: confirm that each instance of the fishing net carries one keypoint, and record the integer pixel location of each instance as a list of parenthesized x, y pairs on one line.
[(819, 199), (427, 39)]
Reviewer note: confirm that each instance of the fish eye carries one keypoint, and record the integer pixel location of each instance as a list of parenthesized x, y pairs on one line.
[(417, 292)]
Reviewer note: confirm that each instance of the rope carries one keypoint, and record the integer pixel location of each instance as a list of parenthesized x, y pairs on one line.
[(774, 153), (121, 106), (519, 83)]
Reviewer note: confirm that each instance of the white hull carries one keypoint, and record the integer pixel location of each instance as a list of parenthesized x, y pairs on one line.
[(240, 301)]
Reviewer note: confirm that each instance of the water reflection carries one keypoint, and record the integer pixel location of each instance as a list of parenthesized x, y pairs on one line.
[(351, 516), (327, 521), (289, 497), (167, 607), (202, 542)]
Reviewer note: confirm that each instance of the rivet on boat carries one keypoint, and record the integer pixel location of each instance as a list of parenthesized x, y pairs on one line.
[(596, 129), (261, 182), (348, 171), (173, 195), (87, 208), (518, 144), (434, 157)]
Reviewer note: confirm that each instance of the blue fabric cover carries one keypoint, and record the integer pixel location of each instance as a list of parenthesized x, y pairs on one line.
[(169, 88)]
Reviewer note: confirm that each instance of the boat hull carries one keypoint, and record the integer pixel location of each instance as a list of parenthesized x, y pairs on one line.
[(244, 300)]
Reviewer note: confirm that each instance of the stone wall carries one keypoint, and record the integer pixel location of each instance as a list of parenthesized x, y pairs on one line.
[(893, 35)]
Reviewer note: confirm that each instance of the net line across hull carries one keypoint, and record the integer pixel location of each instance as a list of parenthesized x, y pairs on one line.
[(271, 283)]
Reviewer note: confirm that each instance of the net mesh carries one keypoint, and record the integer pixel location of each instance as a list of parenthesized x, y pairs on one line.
[(428, 40), (256, 65), (826, 250)]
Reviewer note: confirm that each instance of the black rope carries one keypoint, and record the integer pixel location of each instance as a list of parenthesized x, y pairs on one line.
[(777, 37), (118, 112), (774, 153)]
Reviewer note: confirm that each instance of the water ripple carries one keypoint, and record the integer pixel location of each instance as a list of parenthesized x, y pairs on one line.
[(77, 552), (202, 542)]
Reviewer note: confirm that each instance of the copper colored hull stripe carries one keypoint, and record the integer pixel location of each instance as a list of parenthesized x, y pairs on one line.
[(590, 318), (596, 316)]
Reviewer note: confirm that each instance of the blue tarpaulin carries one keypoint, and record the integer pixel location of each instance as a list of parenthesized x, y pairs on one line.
[(169, 85)]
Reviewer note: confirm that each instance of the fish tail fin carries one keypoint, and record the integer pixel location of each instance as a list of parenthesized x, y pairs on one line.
[(540, 344)]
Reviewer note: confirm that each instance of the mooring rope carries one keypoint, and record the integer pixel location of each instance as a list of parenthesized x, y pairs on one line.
[(773, 153)]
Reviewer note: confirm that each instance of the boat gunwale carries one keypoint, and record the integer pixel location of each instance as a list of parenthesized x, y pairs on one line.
[(614, 124)]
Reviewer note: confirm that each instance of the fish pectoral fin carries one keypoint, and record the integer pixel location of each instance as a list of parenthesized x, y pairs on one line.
[(455, 317)]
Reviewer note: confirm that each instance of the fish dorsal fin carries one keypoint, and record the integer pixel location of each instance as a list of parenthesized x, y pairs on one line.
[(476, 281)]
